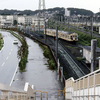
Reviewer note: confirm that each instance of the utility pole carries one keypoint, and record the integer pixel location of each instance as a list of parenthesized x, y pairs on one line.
[(34, 29), (56, 42), (96, 23), (86, 23), (45, 34), (93, 54), (68, 26), (77, 22), (91, 27), (39, 26)]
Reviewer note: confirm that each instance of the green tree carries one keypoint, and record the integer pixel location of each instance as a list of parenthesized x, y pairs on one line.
[(15, 22)]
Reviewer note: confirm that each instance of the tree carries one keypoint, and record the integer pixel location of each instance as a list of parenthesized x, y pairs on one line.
[(15, 22)]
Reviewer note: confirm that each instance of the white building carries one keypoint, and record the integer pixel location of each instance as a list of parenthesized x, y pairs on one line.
[(6, 20), (87, 53), (21, 20), (36, 20), (67, 12)]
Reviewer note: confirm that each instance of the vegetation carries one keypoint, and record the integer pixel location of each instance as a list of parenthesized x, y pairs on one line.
[(79, 58), (75, 11), (22, 52), (48, 55), (15, 22), (1, 41)]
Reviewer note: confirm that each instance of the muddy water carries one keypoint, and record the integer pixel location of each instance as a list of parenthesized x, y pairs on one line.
[(37, 73)]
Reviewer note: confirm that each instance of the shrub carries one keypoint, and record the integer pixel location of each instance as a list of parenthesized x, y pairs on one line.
[(51, 64)]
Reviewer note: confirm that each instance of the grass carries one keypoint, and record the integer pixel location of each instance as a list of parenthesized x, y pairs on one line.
[(79, 58), (69, 47), (1, 41)]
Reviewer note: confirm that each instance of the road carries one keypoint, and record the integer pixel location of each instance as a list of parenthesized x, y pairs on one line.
[(8, 59)]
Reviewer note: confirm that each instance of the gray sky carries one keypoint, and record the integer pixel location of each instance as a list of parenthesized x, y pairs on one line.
[(92, 5)]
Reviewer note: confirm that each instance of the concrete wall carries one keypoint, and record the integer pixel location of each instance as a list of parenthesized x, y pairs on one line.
[(87, 55)]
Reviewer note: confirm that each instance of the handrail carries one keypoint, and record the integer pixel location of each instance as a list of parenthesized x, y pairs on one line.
[(59, 91), (46, 93), (38, 91)]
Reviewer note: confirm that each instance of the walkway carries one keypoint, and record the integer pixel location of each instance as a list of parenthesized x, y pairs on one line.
[(37, 72)]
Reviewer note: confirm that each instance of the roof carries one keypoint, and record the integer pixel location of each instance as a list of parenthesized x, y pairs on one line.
[(89, 48), (60, 31)]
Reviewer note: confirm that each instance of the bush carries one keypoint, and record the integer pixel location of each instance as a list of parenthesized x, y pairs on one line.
[(51, 64), (47, 54)]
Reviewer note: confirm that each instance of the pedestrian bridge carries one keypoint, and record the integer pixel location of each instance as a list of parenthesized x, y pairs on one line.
[(84, 88)]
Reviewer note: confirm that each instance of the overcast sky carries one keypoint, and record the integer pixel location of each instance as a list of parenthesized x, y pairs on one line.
[(92, 5)]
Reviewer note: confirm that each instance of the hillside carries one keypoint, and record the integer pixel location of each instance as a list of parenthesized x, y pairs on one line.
[(75, 11)]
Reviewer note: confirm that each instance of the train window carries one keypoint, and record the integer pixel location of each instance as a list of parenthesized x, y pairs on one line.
[(76, 36)]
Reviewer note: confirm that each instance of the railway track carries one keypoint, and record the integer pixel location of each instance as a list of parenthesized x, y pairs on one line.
[(71, 61), (67, 56)]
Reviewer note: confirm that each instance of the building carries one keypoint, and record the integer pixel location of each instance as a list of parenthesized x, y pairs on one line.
[(7, 20), (21, 20), (67, 12), (87, 53)]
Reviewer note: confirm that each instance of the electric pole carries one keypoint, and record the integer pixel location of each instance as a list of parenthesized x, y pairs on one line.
[(91, 27)]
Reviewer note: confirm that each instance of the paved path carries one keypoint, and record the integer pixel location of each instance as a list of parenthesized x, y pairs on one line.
[(37, 72)]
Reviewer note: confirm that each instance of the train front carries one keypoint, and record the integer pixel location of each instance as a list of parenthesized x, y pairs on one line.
[(74, 37)]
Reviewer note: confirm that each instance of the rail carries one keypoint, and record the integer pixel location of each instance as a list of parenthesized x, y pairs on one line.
[(71, 61)]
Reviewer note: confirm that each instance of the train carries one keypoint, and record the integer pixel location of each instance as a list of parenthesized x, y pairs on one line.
[(68, 36)]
